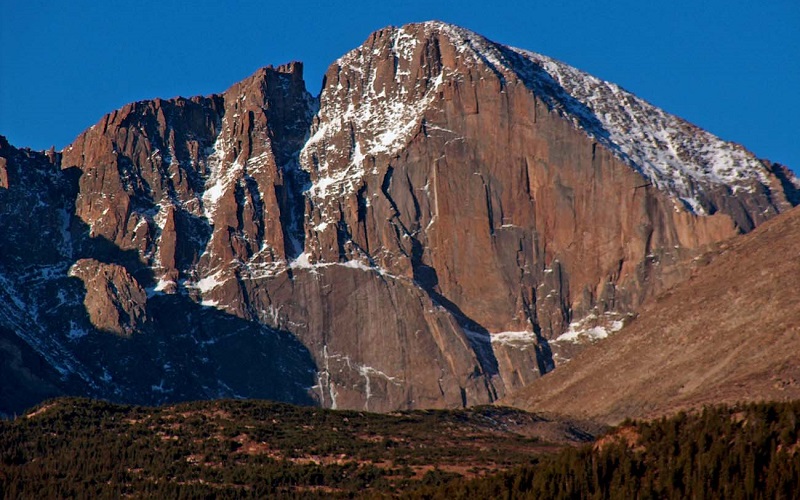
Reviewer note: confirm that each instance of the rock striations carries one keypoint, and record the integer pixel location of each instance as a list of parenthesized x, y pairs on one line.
[(438, 228)]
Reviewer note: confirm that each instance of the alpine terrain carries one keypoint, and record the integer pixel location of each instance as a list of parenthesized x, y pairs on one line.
[(676, 356), (450, 219)]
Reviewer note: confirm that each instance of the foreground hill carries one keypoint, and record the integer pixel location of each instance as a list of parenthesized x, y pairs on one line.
[(251, 449), (748, 451), (729, 333), (257, 449)]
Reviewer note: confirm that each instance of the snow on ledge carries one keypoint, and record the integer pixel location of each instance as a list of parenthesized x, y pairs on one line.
[(210, 282), (591, 328), (302, 262)]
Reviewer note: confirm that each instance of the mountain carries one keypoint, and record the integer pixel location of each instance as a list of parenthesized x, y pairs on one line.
[(436, 229), (730, 333)]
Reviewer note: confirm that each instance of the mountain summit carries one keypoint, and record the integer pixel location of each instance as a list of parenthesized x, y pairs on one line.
[(436, 229)]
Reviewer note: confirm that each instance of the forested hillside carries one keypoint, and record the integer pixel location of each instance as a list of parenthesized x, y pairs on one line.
[(78, 448), (72, 448), (722, 452)]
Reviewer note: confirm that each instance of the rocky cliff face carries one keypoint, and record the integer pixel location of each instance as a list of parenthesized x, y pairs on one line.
[(434, 230)]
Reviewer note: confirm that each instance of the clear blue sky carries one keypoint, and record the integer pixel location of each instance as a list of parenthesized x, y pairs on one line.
[(731, 67)]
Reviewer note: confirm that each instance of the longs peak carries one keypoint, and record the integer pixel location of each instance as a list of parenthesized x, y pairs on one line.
[(434, 230)]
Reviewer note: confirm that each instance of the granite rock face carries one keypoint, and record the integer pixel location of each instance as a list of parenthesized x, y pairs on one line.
[(436, 229)]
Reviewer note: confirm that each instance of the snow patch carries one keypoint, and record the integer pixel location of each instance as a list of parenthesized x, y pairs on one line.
[(160, 388), (675, 155), (75, 332), (591, 328), (357, 264), (210, 282), (367, 372), (219, 182), (324, 380), (66, 236), (161, 285), (302, 262), (514, 339)]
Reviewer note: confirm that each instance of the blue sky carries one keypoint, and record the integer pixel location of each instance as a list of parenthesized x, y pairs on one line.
[(731, 67)]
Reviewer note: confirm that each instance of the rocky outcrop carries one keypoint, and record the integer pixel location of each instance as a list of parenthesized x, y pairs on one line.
[(3, 173), (36, 197), (380, 343), (115, 301), (432, 231), (457, 167)]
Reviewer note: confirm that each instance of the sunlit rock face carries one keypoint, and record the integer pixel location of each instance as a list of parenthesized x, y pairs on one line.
[(447, 221)]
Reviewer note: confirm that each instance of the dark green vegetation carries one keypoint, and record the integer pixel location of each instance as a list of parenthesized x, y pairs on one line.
[(248, 449), (83, 448), (743, 452)]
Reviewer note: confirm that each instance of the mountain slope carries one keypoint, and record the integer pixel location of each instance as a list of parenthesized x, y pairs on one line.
[(730, 333), (434, 230)]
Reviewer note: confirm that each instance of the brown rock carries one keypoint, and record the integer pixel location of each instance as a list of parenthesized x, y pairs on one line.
[(460, 176), (3, 173), (380, 343), (115, 301)]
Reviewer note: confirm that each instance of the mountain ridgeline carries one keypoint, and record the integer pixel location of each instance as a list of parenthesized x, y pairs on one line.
[(436, 229)]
